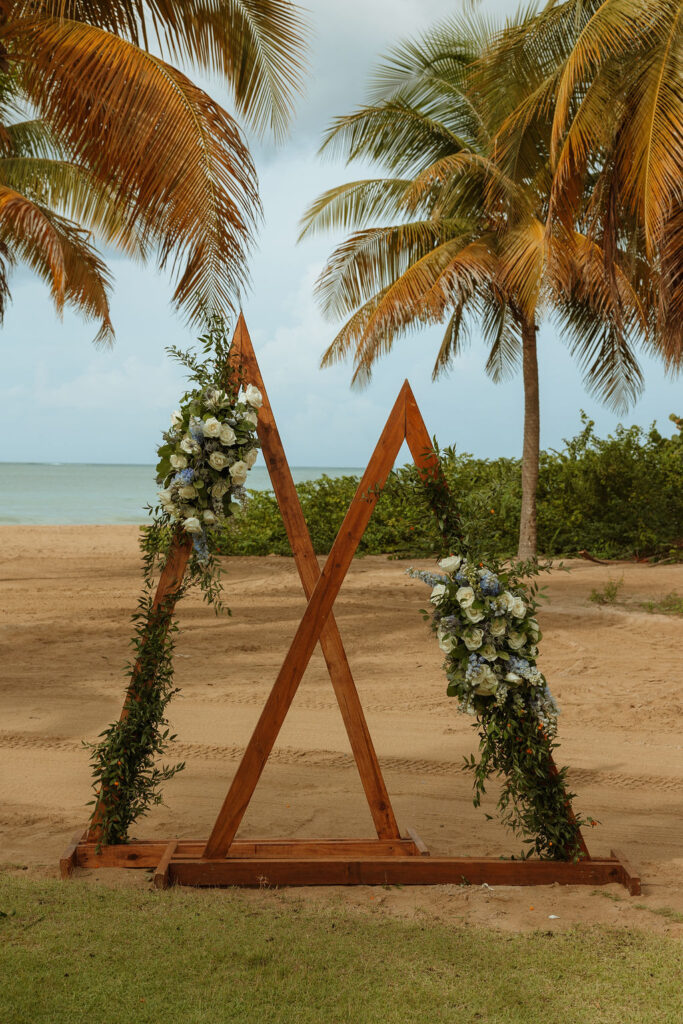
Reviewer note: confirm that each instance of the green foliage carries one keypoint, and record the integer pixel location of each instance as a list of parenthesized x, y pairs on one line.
[(126, 777), (670, 604), (534, 800), (609, 592), (616, 497)]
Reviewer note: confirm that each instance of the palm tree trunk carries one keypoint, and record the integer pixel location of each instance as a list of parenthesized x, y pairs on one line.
[(530, 454)]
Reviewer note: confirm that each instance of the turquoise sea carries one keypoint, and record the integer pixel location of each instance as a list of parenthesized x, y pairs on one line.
[(39, 493)]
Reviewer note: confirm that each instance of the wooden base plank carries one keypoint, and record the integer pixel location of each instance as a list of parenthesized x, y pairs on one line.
[(266, 862), (69, 859), (630, 877), (146, 854), (162, 875), (421, 846), (261, 871)]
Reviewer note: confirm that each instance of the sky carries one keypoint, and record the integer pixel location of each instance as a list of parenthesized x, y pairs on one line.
[(66, 401)]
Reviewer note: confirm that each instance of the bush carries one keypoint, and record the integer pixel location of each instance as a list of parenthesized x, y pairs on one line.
[(616, 497)]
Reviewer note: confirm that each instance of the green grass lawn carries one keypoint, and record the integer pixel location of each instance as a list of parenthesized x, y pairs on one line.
[(71, 953)]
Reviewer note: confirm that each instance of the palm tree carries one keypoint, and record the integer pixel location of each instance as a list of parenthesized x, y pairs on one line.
[(463, 237), (122, 145), (613, 71)]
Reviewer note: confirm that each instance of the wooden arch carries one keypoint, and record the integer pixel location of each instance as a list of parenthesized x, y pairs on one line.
[(390, 858)]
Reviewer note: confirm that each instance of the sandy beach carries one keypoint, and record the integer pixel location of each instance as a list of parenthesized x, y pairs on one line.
[(616, 671)]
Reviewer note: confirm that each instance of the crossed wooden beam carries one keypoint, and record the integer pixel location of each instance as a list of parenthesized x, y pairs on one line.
[(391, 857)]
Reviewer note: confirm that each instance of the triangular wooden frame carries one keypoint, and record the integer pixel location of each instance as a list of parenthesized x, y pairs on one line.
[(390, 858)]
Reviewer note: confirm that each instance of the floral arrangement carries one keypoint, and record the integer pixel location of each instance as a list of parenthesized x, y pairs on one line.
[(205, 458), (487, 629), (484, 619)]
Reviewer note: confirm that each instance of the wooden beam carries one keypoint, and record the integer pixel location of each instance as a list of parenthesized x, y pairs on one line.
[(419, 844), (309, 572), (630, 877), (147, 854), (161, 875), (307, 635), (69, 859), (263, 871)]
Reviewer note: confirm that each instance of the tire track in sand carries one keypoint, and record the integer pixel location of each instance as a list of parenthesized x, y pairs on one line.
[(321, 758)]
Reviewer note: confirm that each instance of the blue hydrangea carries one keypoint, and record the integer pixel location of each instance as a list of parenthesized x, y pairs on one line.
[(200, 546), (185, 476), (519, 665), (490, 585), (430, 578), (196, 431)]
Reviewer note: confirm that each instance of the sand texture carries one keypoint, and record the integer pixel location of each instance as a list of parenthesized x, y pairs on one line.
[(616, 672)]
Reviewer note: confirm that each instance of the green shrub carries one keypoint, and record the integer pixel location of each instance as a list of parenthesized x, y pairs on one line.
[(616, 497)]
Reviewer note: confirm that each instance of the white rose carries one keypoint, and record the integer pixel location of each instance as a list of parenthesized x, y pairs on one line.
[(489, 652), (447, 642), (253, 396), (250, 457), (188, 491), (518, 608), (514, 678), (516, 640), (178, 461), (238, 472), (506, 601), (165, 496), (227, 435), (250, 417), (534, 630), (212, 427), (473, 615), (176, 418), (188, 445), (486, 682), (438, 593), (473, 638), (497, 627), (465, 597), (208, 516), (220, 488), (217, 460), (192, 525), (451, 563)]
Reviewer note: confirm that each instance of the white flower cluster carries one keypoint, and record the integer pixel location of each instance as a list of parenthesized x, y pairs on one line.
[(489, 634), (205, 458)]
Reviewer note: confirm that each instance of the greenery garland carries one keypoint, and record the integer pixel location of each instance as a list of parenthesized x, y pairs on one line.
[(203, 463), (483, 615)]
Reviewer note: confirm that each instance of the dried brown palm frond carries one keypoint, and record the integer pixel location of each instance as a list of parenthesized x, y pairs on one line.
[(258, 46), (60, 253), (177, 165)]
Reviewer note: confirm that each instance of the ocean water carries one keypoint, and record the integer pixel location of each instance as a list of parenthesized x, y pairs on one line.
[(39, 493)]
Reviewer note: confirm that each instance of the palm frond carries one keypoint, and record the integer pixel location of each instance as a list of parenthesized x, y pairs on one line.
[(354, 204), (259, 46), (177, 162)]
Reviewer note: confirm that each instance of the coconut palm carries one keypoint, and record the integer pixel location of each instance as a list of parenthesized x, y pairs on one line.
[(463, 237), (122, 145), (611, 78)]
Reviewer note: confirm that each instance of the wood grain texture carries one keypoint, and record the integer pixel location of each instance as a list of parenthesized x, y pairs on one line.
[(630, 875), (307, 635), (263, 871), (147, 854), (242, 352), (162, 878)]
